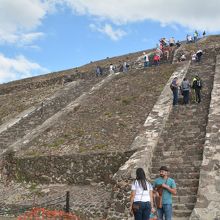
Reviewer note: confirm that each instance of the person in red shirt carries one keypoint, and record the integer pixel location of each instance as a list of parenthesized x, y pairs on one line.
[(156, 59)]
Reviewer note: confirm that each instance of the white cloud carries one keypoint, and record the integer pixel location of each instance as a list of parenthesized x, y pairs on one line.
[(19, 18), (23, 39), (28, 38), (194, 14), (18, 67), (108, 30)]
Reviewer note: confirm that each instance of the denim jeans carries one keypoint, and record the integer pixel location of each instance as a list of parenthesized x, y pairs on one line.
[(166, 211), (175, 96), (185, 96), (146, 63), (143, 213), (198, 95)]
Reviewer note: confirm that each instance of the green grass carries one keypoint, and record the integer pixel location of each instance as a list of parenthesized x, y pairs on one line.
[(57, 143), (127, 100)]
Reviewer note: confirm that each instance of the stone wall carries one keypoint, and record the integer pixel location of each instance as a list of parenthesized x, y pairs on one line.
[(208, 202), (71, 169)]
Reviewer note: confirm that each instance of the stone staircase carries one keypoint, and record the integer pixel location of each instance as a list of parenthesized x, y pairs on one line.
[(180, 146)]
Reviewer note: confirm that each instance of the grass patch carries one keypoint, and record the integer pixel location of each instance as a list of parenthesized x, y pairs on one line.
[(94, 147), (79, 132), (57, 143), (33, 153), (127, 100), (99, 147), (108, 114)]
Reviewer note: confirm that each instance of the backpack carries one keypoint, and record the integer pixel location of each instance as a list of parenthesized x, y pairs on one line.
[(198, 83), (171, 86)]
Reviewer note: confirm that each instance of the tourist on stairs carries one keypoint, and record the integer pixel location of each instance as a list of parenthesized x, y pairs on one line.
[(141, 197)]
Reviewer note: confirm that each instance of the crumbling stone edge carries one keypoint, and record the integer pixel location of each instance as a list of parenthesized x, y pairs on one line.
[(208, 197)]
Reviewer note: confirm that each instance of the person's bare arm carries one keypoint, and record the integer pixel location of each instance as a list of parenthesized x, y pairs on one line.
[(171, 190), (132, 199), (151, 199)]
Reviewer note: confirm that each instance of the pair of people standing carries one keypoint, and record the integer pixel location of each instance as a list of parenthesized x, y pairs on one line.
[(185, 89), (142, 201)]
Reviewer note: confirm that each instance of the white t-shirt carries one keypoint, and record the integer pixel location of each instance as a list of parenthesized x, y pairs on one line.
[(189, 38), (140, 194), (146, 58), (111, 67), (194, 57)]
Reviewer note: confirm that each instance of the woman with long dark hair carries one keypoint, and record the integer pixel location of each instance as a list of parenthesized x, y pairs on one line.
[(141, 196)]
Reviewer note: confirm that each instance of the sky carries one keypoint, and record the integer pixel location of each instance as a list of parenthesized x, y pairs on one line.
[(43, 36)]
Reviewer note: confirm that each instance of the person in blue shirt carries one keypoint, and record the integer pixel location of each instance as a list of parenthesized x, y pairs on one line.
[(168, 186), (175, 88)]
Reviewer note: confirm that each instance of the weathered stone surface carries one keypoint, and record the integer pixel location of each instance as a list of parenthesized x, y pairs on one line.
[(173, 136), (208, 204), (72, 169)]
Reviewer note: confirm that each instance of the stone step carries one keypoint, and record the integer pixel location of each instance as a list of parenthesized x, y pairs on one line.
[(178, 175), (180, 218), (183, 158), (177, 162), (182, 213), (188, 206), (177, 153), (183, 169), (178, 158), (174, 165), (181, 191), (187, 182), (184, 199)]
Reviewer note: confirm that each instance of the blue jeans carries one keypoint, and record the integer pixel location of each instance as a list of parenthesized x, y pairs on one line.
[(146, 63), (198, 95), (143, 213), (185, 96), (166, 211), (175, 96)]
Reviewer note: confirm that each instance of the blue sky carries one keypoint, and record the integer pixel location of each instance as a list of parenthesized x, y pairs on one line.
[(42, 36)]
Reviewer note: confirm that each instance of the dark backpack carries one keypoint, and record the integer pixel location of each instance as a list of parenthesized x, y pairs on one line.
[(197, 84), (171, 87)]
